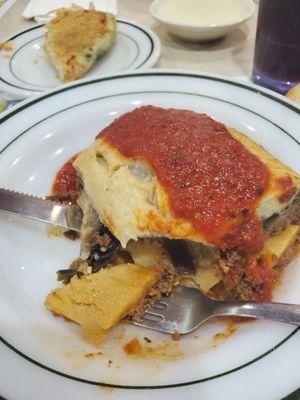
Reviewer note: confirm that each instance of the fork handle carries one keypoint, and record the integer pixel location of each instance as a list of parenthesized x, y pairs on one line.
[(289, 313)]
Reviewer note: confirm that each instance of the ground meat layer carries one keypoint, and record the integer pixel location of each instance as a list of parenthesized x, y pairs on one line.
[(250, 278), (289, 216), (164, 286), (244, 277)]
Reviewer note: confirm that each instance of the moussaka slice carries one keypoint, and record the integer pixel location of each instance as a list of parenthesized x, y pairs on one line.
[(177, 174), (179, 193), (76, 39)]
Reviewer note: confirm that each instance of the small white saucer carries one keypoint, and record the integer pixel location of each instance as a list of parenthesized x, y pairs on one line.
[(198, 33)]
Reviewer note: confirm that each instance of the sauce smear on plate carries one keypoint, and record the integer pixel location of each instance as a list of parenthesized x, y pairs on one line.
[(66, 182)]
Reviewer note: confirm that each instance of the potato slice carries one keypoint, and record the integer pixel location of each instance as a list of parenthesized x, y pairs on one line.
[(99, 301)]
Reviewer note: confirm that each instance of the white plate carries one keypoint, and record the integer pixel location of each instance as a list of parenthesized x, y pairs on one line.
[(46, 354), (26, 71)]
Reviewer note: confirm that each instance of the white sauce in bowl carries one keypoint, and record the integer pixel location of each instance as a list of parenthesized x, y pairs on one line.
[(201, 12)]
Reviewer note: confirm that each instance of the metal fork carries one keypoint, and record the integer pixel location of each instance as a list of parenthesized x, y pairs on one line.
[(187, 308)]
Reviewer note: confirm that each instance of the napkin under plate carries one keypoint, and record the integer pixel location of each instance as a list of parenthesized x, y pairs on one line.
[(43, 10)]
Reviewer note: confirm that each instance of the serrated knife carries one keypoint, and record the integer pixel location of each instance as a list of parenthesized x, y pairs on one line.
[(40, 209)]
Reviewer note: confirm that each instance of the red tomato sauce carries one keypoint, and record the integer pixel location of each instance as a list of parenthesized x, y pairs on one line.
[(286, 184), (211, 179), (66, 182)]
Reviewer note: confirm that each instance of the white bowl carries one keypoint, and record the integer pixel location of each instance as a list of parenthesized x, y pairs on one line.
[(201, 32)]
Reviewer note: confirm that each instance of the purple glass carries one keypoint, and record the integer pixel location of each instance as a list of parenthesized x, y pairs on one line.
[(277, 47)]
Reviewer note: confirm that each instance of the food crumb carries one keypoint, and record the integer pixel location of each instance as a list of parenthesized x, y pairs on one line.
[(55, 231), (176, 336), (107, 388), (231, 328), (6, 46), (133, 347), (109, 364), (164, 350), (72, 235), (147, 340), (59, 231), (3, 105), (93, 355)]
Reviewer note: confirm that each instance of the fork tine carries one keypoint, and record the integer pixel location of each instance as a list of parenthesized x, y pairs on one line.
[(181, 312), (159, 323), (163, 316), (159, 305)]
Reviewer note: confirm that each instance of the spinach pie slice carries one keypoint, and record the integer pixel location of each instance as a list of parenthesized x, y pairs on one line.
[(76, 39)]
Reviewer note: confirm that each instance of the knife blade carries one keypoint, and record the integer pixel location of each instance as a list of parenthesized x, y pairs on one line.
[(40, 209)]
